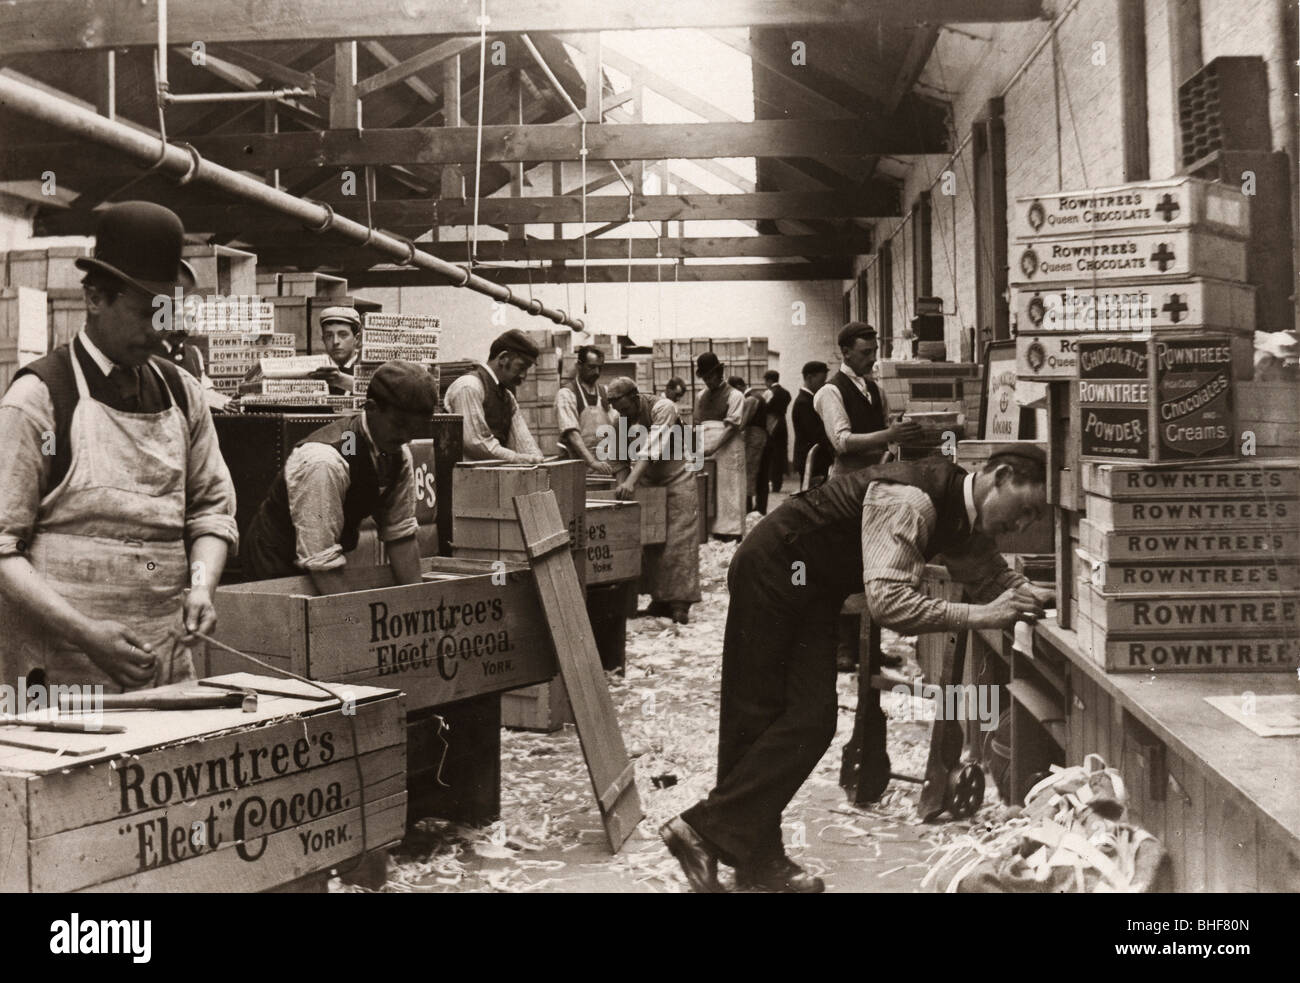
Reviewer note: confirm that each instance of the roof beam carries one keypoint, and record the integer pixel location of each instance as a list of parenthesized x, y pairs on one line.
[(422, 213), (523, 250), (787, 72), (267, 69), (399, 71), (616, 273), (28, 26)]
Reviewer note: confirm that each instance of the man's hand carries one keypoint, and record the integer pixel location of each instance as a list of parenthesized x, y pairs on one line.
[(335, 378), (1045, 596), (625, 490), (904, 431), (600, 467), (533, 459), (1016, 604), (119, 652), (199, 614)]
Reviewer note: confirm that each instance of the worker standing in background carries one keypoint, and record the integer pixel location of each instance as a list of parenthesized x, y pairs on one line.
[(494, 429), (672, 570), (116, 507), (753, 426), (875, 527), (853, 409), (179, 349), (675, 390), (808, 429), (355, 468), (777, 400), (340, 335), (582, 408), (719, 415)]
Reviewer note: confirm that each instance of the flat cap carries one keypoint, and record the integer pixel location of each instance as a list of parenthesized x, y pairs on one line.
[(404, 386), (812, 368), (515, 341), (349, 314), (854, 330), (706, 363), (1030, 449), (622, 386)]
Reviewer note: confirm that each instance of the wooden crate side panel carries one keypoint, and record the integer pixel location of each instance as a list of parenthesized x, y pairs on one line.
[(263, 622), (1279, 862), (14, 860), (417, 638), (1195, 810), (1176, 815), (1231, 847), (282, 859), (120, 790), (158, 841)]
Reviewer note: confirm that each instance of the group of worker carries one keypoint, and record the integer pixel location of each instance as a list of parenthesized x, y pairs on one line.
[(117, 515)]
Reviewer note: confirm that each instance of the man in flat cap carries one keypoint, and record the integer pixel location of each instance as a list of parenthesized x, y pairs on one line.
[(116, 508), (494, 429), (355, 468), (672, 570), (852, 407), (876, 528), (808, 429), (720, 414), (340, 335)]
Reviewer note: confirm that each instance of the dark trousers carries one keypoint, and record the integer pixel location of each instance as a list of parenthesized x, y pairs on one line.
[(779, 701), (774, 459)]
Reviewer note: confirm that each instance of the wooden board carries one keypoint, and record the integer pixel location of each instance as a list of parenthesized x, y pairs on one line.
[(613, 776), (1194, 512), (1216, 615), (613, 541), (213, 800), (1247, 480), (1173, 255), (1176, 203)]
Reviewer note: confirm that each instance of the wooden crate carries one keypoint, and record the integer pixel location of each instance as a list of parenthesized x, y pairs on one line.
[(758, 351), (1158, 255), (731, 350), (222, 270), (482, 501), (654, 507), (301, 285), (459, 634), (24, 322), (67, 315), (1206, 616), (1194, 652), (1247, 480), (206, 800), (1270, 411), (613, 541), (544, 707)]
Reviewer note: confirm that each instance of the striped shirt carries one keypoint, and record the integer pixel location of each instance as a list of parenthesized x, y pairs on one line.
[(897, 522)]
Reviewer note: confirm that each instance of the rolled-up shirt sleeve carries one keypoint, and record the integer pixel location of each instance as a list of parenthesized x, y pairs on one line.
[(26, 421), (829, 405), (209, 490), (465, 398), (566, 410), (897, 522), (397, 520), (317, 479)]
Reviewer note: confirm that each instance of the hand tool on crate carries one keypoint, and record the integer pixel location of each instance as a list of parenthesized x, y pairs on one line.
[(61, 726), (73, 702)]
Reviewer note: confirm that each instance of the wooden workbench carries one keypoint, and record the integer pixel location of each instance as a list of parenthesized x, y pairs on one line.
[(1222, 800)]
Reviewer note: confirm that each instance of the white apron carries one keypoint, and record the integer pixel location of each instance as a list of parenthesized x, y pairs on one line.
[(729, 520), (126, 480), (591, 416)]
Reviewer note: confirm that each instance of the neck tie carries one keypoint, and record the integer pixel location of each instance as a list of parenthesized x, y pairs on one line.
[(128, 386)]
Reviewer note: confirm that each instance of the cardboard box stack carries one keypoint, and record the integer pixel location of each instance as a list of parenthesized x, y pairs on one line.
[(384, 337), (1192, 569)]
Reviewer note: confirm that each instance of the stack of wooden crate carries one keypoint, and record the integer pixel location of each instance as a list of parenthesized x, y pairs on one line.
[(932, 387), (53, 271), (23, 333), (1191, 569), (222, 270), (297, 300)]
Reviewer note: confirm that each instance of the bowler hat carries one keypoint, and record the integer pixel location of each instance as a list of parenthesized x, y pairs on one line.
[(404, 386), (706, 363), (139, 243)]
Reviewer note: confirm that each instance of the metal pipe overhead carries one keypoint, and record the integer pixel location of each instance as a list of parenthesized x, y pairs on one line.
[(183, 163)]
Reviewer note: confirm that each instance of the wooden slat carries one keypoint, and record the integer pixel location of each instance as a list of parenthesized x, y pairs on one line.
[(1231, 850), (1076, 716), (1279, 864), (13, 842), (1176, 812), (417, 63), (593, 710), (1194, 816), (51, 25), (345, 107)]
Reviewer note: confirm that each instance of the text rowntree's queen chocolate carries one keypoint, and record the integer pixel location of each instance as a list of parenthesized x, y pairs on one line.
[(1158, 400)]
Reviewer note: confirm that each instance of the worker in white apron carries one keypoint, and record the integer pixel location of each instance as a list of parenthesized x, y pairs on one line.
[(583, 412), (719, 413), (112, 593)]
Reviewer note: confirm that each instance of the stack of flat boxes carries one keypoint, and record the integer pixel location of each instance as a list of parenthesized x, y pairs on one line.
[(384, 337), (1191, 569), (536, 394), (234, 333), (748, 358)]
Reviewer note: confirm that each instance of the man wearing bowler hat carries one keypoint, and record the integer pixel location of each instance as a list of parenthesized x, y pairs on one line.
[(494, 429), (116, 508), (345, 472)]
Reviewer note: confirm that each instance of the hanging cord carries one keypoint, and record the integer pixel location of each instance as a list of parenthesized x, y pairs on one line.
[(478, 151), (352, 726), (582, 156)]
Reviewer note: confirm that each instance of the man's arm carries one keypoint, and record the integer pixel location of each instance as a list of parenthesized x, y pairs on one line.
[(566, 412), (404, 559), (982, 569), (521, 438), (398, 526), (317, 480), (465, 398), (731, 424)]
